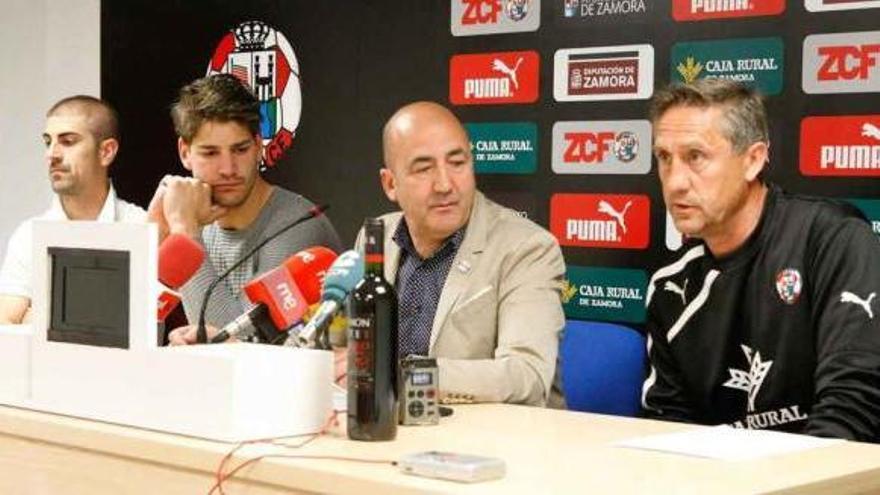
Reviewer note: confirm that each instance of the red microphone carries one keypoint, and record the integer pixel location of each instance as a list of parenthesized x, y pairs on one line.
[(282, 296), (179, 259), (309, 267)]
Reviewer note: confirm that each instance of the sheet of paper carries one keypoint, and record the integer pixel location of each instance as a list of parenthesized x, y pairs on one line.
[(727, 443)]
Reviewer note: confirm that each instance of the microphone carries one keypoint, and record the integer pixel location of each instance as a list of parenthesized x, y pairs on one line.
[(179, 259), (279, 296), (202, 332), (344, 274)]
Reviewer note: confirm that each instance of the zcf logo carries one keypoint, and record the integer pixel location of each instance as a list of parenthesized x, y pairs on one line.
[(601, 220), (602, 147), (262, 58), (842, 63), (475, 17), (494, 78), (847, 146), (698, 10)]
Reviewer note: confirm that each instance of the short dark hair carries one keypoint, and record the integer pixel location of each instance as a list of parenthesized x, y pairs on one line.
[(221, 98), (102, 118), (745, 118)]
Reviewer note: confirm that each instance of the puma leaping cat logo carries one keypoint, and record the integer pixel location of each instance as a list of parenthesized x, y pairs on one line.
[(606, 208), (673, 287), (500, 66), (848, 297), (870, 130)]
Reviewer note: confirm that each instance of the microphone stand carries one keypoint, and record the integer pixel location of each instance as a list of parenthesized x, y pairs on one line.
[(202, 332)]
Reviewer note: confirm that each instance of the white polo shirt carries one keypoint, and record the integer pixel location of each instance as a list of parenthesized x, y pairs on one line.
[(15, 276)]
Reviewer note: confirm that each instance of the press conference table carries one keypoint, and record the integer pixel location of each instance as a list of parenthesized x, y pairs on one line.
[(546, 451)]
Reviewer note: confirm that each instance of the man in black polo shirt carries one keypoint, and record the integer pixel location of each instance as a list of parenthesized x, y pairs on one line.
[(768, 318)]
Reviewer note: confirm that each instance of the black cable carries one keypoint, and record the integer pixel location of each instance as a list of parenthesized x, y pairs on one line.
[(202, 332)]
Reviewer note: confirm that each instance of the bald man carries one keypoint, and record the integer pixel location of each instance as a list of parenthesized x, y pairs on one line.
[(478, 285), (82, 139)]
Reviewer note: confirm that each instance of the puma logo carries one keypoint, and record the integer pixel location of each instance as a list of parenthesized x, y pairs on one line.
[(606, 208), (673, 287), (870, 130), (848, 297), (500, 66)]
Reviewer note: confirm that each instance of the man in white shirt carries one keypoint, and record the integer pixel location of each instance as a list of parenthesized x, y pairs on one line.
[(82, 138)]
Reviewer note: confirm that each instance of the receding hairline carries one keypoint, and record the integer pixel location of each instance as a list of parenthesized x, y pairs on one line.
[(101, 118), (411, 115)]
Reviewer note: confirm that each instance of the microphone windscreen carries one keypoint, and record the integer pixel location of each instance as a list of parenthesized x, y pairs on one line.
[(179, 259), (343, 275), (308, 268)]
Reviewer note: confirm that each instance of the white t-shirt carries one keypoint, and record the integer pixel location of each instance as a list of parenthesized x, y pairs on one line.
[(15, 276)]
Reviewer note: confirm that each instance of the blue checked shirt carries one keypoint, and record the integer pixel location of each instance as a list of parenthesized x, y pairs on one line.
[(419, 284)]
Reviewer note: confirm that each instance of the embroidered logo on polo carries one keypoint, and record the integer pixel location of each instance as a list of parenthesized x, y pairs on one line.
[(842, 145), (477, 17), (829, 5), (262, 58), (601, 220), (757, 62), (852, 298), (606, 294), (504, 147), (494, 78), (841, 63), (623, 72), (871, 209), (681, 291), (789, 284), (751, 379), (699, 10), (602, 147)]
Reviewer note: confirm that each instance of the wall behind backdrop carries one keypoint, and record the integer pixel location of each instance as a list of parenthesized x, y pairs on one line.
[(50, 49), (554, 94)]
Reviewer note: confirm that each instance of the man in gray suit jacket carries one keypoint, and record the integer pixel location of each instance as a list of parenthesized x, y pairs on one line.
[(479, 286)]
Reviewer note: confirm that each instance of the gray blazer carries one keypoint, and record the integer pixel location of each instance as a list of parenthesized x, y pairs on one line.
[(498, 321)]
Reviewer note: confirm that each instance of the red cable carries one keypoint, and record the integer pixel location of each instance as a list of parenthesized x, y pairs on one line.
[(220, 477)]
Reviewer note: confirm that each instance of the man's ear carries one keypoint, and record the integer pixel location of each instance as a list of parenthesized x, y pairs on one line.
[(389, 183), (184, 151), (107, 151), (756, 159)]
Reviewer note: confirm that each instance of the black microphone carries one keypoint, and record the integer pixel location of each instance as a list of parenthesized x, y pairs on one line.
[(202, 331)]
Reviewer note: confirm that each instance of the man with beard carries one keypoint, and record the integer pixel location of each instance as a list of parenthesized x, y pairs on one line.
[(227, 206), (82, 139)]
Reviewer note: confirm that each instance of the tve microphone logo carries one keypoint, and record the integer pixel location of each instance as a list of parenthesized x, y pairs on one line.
[(476, 17), (842, 63), (602, 147), (623, 72), (494, 78), (601, 220), (844, 146), (699, 10), (827, 5)]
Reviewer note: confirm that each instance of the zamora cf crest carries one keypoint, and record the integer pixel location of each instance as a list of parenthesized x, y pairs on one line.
[(262, 58)]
